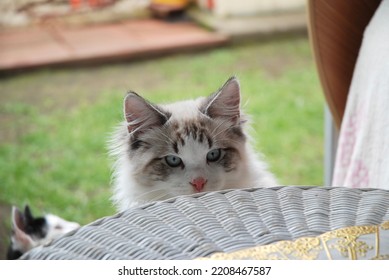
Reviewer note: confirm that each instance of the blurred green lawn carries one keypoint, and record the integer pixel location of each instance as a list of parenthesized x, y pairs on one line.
[(54, 124)]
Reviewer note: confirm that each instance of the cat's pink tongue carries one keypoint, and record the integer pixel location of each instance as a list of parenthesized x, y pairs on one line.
[(198, 183)]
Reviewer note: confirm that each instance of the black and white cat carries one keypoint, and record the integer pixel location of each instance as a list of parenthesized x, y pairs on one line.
[(29, 232), (162, 151)]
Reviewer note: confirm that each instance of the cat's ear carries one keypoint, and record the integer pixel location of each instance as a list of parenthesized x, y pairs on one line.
[(141, 114), (225, 103), (18, 219), (19, 236)]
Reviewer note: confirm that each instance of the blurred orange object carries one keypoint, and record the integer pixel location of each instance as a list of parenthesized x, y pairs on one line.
[(173, 3), (164, 8), (76, 4)]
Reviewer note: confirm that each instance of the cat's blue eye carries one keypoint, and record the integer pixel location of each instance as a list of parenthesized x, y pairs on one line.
[(214, 155), (173, 161)]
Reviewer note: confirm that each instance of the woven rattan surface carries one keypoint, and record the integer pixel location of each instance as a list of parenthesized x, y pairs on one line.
[(189, 227)]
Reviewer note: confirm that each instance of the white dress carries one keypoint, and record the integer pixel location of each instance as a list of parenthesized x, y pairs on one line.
[(362, 158)]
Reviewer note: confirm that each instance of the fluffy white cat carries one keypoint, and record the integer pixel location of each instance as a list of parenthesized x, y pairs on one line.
[(162, 151)]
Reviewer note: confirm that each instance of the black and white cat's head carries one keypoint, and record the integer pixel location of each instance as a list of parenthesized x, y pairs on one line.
[(181, 148), (29, 231)]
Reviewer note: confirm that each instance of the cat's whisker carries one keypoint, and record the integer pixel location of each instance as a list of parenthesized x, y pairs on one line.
[(220, 132), (229, 140), (152, 191), (162, 146), (167, 137), (223, 130), (221, 141), (219, 125), (166, 195), (167, 140), (147, 194)]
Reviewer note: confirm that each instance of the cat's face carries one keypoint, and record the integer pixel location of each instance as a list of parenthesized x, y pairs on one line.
[(186, 147)]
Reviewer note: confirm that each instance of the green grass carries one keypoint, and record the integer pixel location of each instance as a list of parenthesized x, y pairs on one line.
[(55, 123)]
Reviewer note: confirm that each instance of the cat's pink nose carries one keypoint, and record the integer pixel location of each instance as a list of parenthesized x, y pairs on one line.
[(198, 183)]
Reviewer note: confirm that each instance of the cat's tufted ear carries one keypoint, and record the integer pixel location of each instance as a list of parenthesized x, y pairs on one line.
[(141, 114), (225, 103)]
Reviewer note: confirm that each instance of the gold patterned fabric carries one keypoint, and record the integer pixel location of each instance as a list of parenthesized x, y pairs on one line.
[(354, 243)]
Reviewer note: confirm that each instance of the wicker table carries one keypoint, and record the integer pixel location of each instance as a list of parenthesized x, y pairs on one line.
[(201, 225)]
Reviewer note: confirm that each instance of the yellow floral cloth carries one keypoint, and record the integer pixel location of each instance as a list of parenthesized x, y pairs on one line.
[(354, 243)]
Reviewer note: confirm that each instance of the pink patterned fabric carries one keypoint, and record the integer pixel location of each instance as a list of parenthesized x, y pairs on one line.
[(362, 158)]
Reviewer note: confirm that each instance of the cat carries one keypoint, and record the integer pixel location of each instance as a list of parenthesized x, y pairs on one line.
[(29, 232), (163, 151)]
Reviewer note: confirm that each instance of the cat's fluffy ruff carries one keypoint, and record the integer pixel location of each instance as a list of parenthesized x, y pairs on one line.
[(187, 131)]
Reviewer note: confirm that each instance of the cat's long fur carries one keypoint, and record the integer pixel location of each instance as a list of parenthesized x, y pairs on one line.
[(193, 134)]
